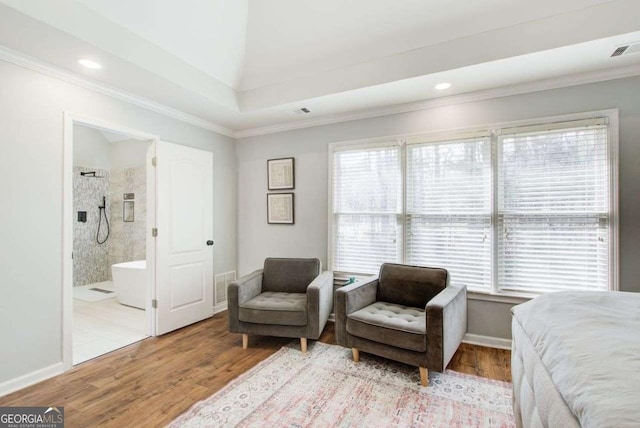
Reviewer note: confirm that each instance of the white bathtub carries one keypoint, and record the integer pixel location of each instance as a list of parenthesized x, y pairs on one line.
[(130, 282)]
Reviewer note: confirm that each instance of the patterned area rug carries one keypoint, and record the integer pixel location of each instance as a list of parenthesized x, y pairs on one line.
[(325, 388)]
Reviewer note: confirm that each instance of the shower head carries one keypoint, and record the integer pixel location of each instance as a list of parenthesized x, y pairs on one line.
[(91, 174)]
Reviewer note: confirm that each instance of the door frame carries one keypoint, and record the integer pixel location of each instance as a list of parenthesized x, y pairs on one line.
[(71, 119)]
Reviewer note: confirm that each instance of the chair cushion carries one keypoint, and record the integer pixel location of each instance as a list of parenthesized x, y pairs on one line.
[(410, 285), (395, 325), (289, 275), (275, 308)]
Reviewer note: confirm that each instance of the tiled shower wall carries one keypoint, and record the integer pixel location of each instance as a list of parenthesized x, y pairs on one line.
[(128, 242), (89, 258)]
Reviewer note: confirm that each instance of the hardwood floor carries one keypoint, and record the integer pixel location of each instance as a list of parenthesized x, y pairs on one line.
[(152, 382)]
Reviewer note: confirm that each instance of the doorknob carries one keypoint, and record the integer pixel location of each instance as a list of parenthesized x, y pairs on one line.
[(209, 242)]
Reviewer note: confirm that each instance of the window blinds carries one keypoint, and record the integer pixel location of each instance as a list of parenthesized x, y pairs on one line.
[(524, 209), (448, 209), (553, 209), (367, 204)]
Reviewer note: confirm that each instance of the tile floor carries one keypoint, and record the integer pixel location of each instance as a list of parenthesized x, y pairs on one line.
[(87, 294), (104, 326)]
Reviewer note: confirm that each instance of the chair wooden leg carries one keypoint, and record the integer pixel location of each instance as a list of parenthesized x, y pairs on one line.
[(356, 354), (245, 341), (424, 376), (303, 344)]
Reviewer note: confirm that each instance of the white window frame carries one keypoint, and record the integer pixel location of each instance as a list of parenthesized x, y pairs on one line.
[(494, 130)]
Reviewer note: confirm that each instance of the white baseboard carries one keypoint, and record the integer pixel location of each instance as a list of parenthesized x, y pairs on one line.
[(488, 341), (219, 308), (30, 378)]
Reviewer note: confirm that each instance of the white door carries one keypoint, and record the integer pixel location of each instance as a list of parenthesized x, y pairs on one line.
[(184, 251)]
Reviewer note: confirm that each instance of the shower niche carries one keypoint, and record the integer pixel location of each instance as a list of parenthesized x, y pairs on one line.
[(128, 207)]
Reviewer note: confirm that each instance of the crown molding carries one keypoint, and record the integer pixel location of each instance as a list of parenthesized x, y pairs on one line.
[(22, 60), (505, 91)]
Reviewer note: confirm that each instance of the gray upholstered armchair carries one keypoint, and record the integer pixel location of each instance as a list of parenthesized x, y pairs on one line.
[(409, 314), (288, 298)]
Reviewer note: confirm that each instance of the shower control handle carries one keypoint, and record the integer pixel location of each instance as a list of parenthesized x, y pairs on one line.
[(209, 242)]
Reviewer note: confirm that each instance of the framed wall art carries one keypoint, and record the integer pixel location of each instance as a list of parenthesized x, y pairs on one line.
[(280, 208), (280, 174)]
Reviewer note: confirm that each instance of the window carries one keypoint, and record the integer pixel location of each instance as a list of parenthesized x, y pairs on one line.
[(448, 210), (367, 203), (514, 210), (553, 209)]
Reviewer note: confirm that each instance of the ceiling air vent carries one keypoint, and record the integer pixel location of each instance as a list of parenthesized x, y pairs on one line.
[(628, 49), (619, 51), (301, 110)]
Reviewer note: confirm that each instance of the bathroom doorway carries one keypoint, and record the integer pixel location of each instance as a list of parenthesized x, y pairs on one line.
[(112, 202), (178, 279)]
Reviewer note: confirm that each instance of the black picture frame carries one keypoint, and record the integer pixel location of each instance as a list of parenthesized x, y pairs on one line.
[(281, 174), (281, 208)]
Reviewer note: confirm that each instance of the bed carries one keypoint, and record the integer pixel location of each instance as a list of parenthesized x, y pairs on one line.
[(576, 360)]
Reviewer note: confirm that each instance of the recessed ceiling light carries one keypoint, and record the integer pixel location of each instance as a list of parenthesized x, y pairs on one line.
[(89, 63), (442, 86)]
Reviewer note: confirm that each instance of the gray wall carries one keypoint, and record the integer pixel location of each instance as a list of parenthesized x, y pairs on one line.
[(308, 237), (31, 171)]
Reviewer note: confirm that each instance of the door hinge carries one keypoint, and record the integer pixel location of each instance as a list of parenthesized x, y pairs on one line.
[(154, 303), (154, 161), (154, 232)]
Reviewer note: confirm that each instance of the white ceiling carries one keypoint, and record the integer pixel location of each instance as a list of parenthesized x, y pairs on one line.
[(291, 38), (248, 65), (208, 34), (112, 137)]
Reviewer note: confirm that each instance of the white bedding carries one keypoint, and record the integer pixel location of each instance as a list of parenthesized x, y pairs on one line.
[(589, 343)]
